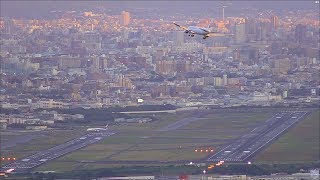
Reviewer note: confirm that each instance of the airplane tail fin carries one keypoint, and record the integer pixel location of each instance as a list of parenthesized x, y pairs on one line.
[(107, 126)]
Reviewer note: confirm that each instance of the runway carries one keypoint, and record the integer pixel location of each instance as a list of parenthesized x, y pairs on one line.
[(27, 163), (246, 146), (182, 122)]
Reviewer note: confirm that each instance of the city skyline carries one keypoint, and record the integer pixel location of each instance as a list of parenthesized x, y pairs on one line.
[(25, 9)]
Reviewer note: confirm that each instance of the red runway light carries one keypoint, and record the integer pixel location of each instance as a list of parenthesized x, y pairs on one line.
[(201, 150), (14, 158), (3, 158), (196, 150), (8, 159), (206, 150)]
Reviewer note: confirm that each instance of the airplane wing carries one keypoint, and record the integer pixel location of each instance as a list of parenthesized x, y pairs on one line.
[(218, 35), (205, 30), (182, 27)]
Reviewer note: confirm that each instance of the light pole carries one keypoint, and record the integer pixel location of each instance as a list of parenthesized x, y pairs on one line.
[(204, 173)]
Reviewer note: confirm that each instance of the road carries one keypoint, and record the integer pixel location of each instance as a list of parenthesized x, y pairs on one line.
[(24, 165), (249, 144)]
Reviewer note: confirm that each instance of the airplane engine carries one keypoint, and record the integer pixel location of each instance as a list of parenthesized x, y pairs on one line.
[(186, 31)]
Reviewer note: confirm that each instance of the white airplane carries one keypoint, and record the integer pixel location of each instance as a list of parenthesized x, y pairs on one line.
[(205, 32), (98, 129)]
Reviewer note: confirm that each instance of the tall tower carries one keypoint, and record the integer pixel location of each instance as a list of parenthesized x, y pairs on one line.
[(223, 12), (125, 18)]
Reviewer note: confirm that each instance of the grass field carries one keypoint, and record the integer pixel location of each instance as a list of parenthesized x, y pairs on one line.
[(138, 142), (143, 141), (46, 140), (299, 144)]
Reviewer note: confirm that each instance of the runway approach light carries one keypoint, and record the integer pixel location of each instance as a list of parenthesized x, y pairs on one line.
[(8, 158), (140, 100), (211, 166), (249, 162)]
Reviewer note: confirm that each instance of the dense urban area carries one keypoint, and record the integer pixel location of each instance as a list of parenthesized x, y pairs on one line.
[(94, 60)]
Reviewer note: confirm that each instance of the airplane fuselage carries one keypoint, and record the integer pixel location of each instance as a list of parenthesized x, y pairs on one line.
[(198, 30), (192, 30), (96, 129)]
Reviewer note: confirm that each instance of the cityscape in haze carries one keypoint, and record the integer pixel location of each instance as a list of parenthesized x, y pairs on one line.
[(69, 68)]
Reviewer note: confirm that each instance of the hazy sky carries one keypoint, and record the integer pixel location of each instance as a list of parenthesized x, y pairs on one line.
[(41, 9)]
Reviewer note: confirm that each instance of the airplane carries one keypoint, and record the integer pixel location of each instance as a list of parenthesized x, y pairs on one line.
[(205, 32), (4, 173), (98, 129)]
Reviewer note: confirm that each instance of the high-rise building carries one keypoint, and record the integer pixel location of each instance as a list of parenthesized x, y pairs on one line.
[(166, 66), (275, 22), (249, 26), (281, 66), (178, 37), (95, 63), (236, 54), (240, 35), (66, 62), (263, 31), (250, 29), (183, 66), (217, 81), (103, 62), (225, 79), (300, 33), (125, 18), (9, 26)]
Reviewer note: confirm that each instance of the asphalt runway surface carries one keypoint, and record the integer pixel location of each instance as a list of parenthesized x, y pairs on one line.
[(183, 122), (27, 163), (249, 144)]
